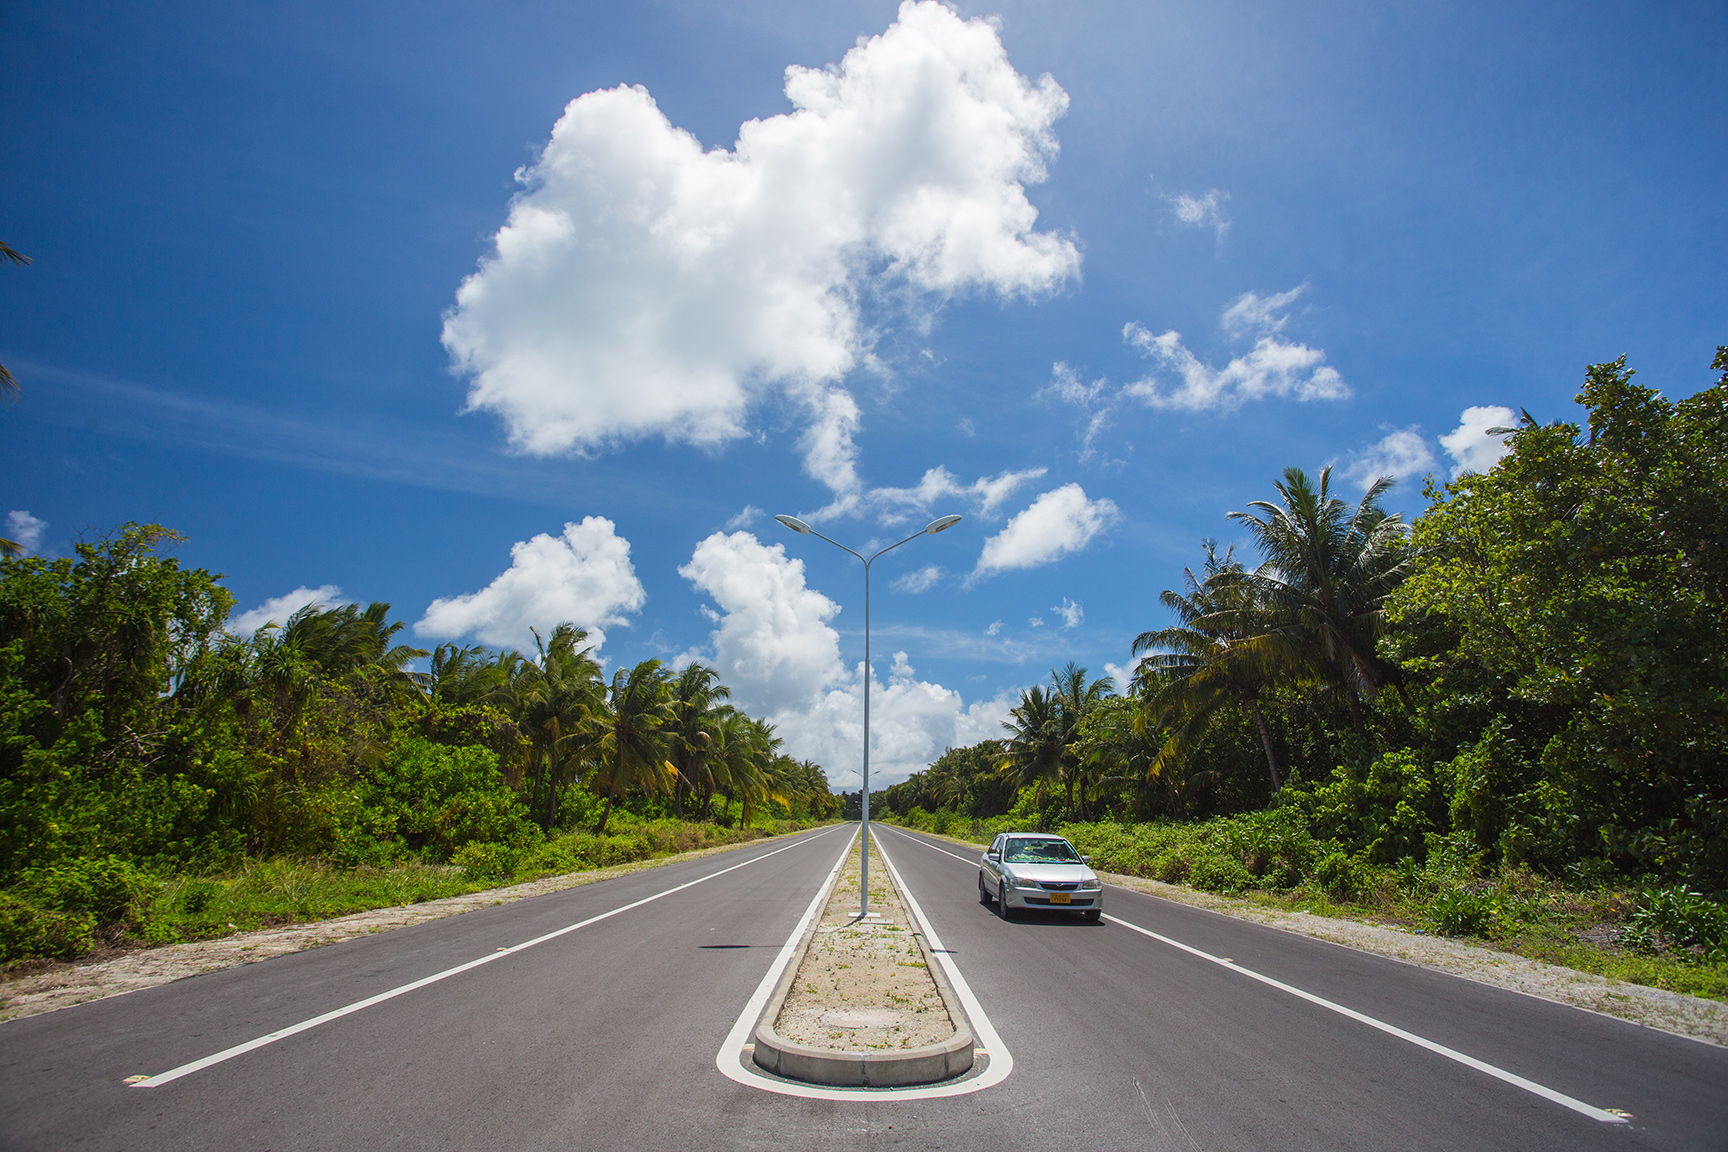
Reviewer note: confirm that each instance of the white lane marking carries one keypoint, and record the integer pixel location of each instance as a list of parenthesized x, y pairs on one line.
[(731, 1066), (1605, 1115), (347, 1010), (933, 848), (1511, 1078)]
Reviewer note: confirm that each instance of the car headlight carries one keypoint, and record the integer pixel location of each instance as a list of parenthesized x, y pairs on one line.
[(1091, 885), (1023, 882)]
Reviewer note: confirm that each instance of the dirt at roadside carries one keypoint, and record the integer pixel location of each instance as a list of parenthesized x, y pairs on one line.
[(63, 985), (864, 985)]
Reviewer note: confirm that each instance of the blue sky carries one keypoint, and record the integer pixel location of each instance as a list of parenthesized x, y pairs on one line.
[(1110, 305)]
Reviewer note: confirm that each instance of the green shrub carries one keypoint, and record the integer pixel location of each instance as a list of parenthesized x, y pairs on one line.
[(1462, 912), (1219, 873), (1679, 918), (486, 860)]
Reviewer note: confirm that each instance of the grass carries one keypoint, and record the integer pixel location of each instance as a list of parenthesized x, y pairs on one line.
[(264, 893)]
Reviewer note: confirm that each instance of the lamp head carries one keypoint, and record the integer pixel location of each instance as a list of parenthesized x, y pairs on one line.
[(941, 524), (795, 524)]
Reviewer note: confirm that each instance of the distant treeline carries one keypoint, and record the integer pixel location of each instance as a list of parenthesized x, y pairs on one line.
[(140, 740), (1533, 674)]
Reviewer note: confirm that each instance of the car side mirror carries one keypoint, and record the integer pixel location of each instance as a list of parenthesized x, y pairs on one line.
[(1085, 859), (993, 854)]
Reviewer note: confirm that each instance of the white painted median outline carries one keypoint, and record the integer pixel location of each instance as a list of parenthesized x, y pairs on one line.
[(349, 1009), (733, 1058), (1560, 1098)]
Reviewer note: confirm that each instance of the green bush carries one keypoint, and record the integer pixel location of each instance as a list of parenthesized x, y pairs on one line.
[(1679, 918), (1220, 873), (1462, 912)]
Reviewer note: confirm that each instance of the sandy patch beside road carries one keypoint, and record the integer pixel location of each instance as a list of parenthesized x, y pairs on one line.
[(864, 985)]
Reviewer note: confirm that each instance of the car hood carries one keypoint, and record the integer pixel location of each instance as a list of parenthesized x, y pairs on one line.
[(1051, 873)]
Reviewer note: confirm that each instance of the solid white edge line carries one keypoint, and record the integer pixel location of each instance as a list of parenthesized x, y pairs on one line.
[(305, 1025), (1392, 1030), (1511, 1078), (730, 1059)]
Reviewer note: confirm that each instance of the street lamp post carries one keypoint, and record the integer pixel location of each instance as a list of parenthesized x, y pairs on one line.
[(930, 529)]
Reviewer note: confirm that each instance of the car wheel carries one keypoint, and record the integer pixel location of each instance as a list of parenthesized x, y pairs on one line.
[(983, 892), (1094, 915), (1002, 901)]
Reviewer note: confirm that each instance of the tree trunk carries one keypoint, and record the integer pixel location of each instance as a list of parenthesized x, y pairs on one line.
[(1266, 742), (605, 816)]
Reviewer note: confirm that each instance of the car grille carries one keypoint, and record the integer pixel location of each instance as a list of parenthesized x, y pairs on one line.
[(1066, 887)]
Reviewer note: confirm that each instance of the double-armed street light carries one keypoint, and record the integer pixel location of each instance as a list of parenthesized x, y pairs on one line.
[(930, 529)]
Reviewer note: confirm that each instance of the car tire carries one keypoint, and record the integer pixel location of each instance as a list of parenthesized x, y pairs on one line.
[(1006, 912), (983, 892), (1095, 915)]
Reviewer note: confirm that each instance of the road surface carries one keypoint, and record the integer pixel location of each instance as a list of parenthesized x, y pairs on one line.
[(591, 1018)]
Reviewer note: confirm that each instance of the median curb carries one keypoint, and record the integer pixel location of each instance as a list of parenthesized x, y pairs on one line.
[(927, 1064)]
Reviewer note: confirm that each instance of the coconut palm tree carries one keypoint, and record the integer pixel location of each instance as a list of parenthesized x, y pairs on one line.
[(1225, 650), (635, 748), (9, 386), (1328, 571), (695, 692), (1074, 701), (560, 704)]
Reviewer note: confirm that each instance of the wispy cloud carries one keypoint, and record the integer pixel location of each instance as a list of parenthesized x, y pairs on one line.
[(1072, 614), (1273, 367), (25, 530), (922, 580), (1205, 210)]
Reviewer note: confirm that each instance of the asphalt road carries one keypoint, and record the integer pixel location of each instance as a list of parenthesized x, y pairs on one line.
[(605, 1037)]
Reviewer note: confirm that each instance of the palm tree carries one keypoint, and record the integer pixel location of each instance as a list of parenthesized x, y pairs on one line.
[(1034, 753), (560, 705), (1225, 649), (634, 749), (694, 693), (1328, 571), (1074, 700), (9, 386)]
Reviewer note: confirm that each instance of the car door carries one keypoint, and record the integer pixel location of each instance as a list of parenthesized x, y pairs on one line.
[(993, 868)]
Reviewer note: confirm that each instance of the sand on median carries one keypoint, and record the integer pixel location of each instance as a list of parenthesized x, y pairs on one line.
[(864, 984)]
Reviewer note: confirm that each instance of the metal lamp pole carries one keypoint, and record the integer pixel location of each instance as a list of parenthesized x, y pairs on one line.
[(930, 529)]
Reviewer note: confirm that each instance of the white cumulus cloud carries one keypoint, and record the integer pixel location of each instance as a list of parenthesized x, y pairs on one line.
[(1273, 367), (1402, 453), (278, 609), (1471, 447), (774, 647), (1060, 521), (25, 530), (583, 576), (645, 287)]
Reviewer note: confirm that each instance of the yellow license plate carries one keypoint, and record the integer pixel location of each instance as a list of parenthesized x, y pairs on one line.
[(1059, 897)]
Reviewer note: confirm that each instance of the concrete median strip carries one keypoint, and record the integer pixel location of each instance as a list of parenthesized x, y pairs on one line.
[(993, 1063), (863, 1004)]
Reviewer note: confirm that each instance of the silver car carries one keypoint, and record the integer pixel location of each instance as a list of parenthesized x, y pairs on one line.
[(1038, 870)]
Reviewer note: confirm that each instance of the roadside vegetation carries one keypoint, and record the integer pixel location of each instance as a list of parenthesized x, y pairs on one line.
[(163, 779), (1507, 721)]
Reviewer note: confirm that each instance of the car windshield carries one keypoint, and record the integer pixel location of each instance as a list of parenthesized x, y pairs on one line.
[(1041, 852)]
